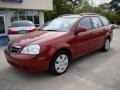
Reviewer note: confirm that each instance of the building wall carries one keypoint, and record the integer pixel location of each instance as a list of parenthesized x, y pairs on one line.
[(29, 4)]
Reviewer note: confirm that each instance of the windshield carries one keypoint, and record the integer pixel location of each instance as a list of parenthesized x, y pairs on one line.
[(60, 24), (22, 24)]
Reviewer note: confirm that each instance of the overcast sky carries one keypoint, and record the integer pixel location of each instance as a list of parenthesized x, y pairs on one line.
[(97, 2)]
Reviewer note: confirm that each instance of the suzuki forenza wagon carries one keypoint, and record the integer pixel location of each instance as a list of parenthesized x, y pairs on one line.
[(60, 41)]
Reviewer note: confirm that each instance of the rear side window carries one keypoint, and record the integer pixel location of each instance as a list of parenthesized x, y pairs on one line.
[(104, 20), (96, 22), (85, 22)]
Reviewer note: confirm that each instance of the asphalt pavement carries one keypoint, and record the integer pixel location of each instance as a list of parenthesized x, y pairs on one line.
[(95, 71)]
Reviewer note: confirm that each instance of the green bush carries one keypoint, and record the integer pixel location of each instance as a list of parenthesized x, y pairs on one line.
[(102, 9), (113, 17)]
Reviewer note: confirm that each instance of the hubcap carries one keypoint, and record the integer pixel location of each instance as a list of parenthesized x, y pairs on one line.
[(107, 44), (61, 63)]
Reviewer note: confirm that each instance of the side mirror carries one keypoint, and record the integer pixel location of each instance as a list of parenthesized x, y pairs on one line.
[(80, 29), (114, 26)]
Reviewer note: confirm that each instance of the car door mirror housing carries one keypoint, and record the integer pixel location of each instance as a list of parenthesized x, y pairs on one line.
[(80, 29)]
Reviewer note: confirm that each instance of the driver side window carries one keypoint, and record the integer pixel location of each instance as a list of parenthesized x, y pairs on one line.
[(85, 22)]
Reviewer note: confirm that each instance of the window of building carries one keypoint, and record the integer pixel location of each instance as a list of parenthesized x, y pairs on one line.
[(21, 15), (1, 12), (2, 24), (14, 16), (25, 15), (29, 16), (85, 22)]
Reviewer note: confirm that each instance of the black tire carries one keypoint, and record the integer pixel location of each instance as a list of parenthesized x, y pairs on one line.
[(106, 46), (52, 67)]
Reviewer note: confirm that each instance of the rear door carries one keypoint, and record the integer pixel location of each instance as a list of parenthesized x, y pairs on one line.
[(107, 26), (99, 32)]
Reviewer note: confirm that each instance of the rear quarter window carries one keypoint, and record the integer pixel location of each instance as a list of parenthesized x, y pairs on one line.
[(104, 20)]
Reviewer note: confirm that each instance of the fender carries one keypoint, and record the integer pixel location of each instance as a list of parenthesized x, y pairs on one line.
[(109, 34), (59, 46)]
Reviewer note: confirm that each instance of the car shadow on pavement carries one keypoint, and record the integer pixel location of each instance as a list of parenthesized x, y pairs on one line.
[(88, 63), (13, 79)]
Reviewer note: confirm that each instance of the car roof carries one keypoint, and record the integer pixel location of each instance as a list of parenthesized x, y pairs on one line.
[(70, 15), (78, 15)]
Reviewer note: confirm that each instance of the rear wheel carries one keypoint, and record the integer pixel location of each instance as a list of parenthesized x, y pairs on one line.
[(106, 46), (60, 63)]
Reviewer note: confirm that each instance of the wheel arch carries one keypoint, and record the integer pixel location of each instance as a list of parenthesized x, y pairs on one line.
[(108, 37), (64, 49), (52, 61)]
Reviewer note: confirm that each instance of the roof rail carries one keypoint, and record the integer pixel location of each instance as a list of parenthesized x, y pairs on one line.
[(89, 14), (79, 14), (65, 15)]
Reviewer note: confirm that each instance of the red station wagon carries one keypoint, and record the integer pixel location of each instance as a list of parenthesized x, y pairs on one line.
[(59, 42)]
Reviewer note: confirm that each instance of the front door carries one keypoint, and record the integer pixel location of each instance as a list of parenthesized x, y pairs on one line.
[(2, 25), (83, 42)]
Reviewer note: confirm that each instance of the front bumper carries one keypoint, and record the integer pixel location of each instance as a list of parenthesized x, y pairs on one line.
[(30, 63)]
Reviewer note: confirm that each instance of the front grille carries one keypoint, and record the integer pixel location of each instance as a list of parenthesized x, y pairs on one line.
[(14, 49)]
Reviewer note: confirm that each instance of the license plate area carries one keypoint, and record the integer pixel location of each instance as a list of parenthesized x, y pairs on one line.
[(23, 32)]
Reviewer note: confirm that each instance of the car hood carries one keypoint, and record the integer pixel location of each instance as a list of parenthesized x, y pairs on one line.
[(22, 28), (36, 38)]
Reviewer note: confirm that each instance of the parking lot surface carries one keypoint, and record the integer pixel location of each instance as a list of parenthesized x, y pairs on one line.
[(95, 71)]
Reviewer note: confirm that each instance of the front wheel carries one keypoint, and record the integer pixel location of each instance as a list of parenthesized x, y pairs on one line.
[(106, 46), (60, 63)]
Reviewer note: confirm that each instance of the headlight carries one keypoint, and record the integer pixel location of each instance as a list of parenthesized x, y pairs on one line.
[(31, 49)]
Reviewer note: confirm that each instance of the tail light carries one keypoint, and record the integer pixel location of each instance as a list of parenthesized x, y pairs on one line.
[(10, 32), (35, 29)]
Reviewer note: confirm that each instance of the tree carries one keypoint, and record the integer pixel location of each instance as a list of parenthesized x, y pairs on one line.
[(103, 9), (74, 3), (115, 5), (61, 7), (86, 8)]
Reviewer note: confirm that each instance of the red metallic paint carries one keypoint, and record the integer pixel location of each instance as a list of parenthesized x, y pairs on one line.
[(50, 42)]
